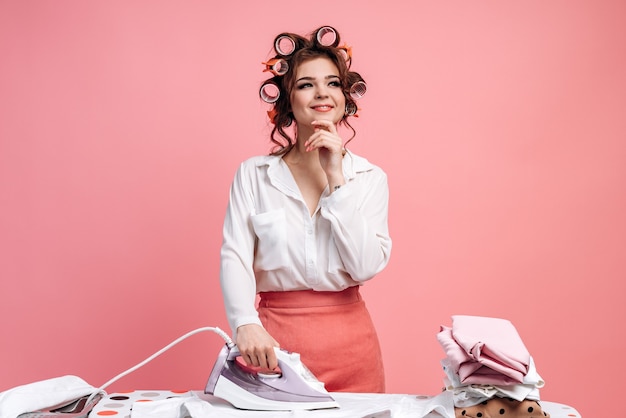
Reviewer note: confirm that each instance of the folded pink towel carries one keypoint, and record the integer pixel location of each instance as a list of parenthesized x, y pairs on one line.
[(485, 350)]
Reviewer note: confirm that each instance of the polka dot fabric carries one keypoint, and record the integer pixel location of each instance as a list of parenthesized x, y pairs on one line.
[(119, 405), (503, 408)]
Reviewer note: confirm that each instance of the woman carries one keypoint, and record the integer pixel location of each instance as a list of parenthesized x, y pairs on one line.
[(307, 224)]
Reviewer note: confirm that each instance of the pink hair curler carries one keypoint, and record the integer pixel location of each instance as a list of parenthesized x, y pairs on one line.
[(358, 90), (327, 36), (284, 45), (269, 92)]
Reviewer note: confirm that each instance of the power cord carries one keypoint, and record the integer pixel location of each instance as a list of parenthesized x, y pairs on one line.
[(216, 330)]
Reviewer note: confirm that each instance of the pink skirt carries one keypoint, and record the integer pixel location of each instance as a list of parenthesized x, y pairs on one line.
[(332, 331)]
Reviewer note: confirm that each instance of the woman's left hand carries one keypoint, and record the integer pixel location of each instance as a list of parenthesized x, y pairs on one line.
[(330, 148)]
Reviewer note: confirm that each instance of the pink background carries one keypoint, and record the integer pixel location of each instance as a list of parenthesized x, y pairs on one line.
[(501, 125)]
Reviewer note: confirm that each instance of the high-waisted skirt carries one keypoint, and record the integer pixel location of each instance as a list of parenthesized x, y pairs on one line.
[(332, 331)]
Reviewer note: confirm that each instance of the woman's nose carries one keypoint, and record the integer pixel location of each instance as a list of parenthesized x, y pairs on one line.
[(321, 92)]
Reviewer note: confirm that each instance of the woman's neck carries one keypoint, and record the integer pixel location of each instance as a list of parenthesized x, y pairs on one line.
[(298, 155)]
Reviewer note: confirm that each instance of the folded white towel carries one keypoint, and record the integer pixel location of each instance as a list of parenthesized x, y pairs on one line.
[(470, 395), (43, 394)]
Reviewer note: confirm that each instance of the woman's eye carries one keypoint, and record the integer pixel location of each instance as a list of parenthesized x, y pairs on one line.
[(335, 84), (304, 85)]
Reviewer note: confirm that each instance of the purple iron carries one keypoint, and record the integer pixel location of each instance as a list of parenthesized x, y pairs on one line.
[(293, 388)]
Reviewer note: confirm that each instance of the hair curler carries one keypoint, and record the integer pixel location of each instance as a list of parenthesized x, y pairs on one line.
[(269, 92), (346, 52), (358, 90), (327, 36), (351, 109), (284, 45), (277, 66)]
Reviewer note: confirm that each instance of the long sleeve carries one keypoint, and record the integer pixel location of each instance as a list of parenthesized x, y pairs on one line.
[(358, 213), (236, 270)]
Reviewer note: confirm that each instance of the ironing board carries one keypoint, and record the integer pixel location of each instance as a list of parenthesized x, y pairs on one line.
[(353, 405)]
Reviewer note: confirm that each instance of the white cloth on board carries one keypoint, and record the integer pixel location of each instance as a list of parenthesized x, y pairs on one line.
[(44, 394), (395, 406)]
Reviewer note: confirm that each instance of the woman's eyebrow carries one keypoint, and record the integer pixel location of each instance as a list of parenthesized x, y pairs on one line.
[(307, 78)]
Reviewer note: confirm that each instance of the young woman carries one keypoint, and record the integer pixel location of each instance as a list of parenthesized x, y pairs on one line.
[(306, 226)]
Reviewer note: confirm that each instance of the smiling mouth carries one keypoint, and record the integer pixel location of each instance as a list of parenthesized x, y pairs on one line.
[(322, 108)]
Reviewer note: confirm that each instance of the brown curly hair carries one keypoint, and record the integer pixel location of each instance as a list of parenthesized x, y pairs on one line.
[(307, 49)]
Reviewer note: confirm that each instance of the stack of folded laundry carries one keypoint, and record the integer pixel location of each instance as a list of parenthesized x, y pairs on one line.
[(489, 370)]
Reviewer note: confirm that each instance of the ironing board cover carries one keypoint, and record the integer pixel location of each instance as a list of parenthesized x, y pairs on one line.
[(353, 405)]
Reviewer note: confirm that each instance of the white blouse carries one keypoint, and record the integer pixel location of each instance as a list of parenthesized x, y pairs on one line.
[(272, 243)]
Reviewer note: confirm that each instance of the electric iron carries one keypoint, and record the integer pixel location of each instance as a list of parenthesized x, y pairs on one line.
[(293, 387)]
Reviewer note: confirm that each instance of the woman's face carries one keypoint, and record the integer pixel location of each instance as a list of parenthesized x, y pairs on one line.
[(317, 93)]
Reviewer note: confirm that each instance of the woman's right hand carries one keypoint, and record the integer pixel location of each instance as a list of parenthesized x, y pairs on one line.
[(256, 346)]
